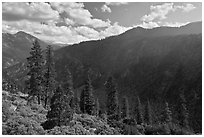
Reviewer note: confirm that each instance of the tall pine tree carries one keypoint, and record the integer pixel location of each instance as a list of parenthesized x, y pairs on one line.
[(97, 107), (182, 111), (50, 75), (68, 87), (125, 108), (35, 74), (87, 103), (139, 115), (112, 97), (167, 114), (148, 114)]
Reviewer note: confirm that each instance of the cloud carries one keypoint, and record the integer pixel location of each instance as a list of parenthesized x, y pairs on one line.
[(49, 33), (57, 22), (149, 25), (88, 32), (78, 14), (187, 8), (158, 12), (175, 24), (115, 29), (15, 11), (105, 8)]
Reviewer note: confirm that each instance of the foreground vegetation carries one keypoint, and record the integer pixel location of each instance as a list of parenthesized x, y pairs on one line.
[(21, 118)]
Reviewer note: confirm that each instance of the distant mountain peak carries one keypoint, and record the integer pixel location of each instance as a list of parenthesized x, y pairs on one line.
[(22, 33)]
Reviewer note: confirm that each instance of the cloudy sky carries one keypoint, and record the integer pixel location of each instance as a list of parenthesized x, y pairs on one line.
[(75, 22)]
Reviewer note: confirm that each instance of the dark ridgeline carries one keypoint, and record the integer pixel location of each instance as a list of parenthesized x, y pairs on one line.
[(161, 65)]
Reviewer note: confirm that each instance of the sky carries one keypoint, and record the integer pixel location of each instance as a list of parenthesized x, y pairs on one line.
[(74, 22)]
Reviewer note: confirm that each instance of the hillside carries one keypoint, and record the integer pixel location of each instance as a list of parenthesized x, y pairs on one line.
[(16, 47)]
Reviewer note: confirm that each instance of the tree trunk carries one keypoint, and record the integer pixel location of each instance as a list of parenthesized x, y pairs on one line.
[(39, 99)]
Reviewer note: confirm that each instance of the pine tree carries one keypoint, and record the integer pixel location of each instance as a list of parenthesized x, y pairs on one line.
[(119, 113), (148, 116), (183, 112), (35, 66), (87, 100), (139, 116), (76, 105), (112, 97), (167, 114), (97, 107), (50, 75), (196, 113), (60, 113), (68, 87), (125, 108)]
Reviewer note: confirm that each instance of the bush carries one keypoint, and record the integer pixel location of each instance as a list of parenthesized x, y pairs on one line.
[(67, 130), (131, 130), (129, 121), (5, 111), (22, 126), (20, 119)]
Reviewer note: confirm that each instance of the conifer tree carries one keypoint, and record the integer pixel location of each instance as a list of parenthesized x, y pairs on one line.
[(119, 113), (76, 103), (60, 113), (196, 113), (112, 97), (139, 116), (183, 112), (50, 75), (87, 102), (148, 116), (35, 67), (125, 108), (167, 114), (97, 107), (68, 87)]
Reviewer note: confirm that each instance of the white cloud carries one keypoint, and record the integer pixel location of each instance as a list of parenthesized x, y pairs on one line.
[(105, 8), (57, 22), (88, 32), (175, 24), (158, 12), (186, 8), (149, 25), (14, 11), (115, 29), (79, 15)]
